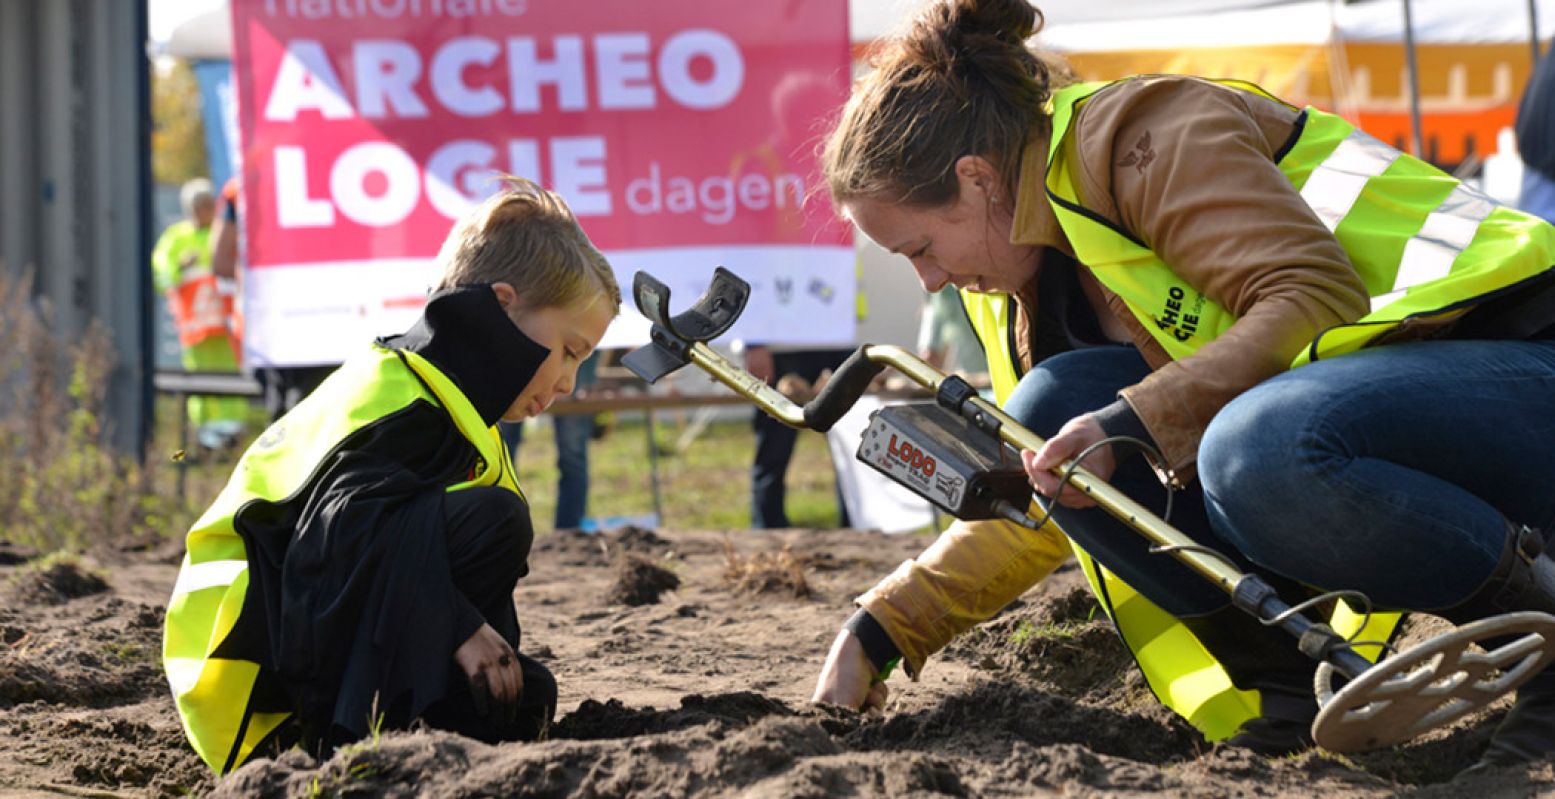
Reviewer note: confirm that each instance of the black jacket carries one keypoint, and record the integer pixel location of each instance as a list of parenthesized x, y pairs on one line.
[(351, 608)]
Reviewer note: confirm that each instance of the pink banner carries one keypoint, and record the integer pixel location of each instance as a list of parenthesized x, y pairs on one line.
[(369, 125)]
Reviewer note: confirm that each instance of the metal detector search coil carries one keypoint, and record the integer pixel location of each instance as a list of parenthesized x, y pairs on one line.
[(941, 457)]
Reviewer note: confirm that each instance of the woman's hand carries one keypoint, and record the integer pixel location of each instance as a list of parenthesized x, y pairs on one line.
[(496, 681), (845, 678), (1072, 439)]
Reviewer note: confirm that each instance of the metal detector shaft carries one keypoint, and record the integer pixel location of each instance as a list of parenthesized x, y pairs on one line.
[(1248, 591), (1116, 502)]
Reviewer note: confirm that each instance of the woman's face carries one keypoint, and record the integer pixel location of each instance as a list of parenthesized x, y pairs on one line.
[(965, 243), (571, 333)]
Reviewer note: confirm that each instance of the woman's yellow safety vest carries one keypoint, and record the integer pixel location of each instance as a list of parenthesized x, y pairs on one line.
[(1424, 244), (213, 694)]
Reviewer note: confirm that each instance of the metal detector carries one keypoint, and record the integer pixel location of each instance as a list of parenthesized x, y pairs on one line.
[(959, 452)]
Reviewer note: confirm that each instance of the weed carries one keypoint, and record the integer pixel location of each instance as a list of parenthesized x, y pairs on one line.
[(765, 572), (1027, 633), (375, 723), (72, 489), (124, 652)]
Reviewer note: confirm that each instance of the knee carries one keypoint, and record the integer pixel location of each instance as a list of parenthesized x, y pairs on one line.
[(1253, 464), (498, 521), (1072, 383)]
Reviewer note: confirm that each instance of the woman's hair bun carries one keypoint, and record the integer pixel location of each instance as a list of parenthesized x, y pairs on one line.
[(979, 34), (1015, 21)]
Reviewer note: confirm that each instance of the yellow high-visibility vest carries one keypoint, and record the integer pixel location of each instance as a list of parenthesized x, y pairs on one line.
[(213, 694), (1424, 245)]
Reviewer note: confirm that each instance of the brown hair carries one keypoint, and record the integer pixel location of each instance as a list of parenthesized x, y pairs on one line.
[(960, 81), (527, 237)]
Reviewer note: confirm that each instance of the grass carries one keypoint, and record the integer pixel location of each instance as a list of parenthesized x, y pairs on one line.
[(706, 486)]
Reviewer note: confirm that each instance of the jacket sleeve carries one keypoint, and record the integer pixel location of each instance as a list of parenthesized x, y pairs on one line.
[(968, 574), (1212, 203)]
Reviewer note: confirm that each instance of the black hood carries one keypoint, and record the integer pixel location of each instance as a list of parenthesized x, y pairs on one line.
[(465, 333)]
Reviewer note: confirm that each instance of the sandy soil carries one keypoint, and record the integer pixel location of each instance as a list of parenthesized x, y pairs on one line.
[(699, 693)]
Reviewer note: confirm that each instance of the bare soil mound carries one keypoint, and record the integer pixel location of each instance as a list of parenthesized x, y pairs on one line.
[(54, 583), (702, 694), (84, 701), (640, 581)]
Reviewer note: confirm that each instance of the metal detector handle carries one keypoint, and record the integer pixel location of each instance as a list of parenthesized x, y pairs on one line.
[(838, 396)]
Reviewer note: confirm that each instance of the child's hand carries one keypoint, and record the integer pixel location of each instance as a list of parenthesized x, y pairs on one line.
[(496, 681)]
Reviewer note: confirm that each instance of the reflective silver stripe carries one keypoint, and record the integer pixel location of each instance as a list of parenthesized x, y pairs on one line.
[(1447, 232), (210, 574), (1335, 184)]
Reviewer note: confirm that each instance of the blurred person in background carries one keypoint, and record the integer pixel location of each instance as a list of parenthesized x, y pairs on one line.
[(200, 298), (945, 336), (1536, 139), (800, 104)]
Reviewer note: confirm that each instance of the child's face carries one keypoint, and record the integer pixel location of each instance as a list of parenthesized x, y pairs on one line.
[(571, 332)]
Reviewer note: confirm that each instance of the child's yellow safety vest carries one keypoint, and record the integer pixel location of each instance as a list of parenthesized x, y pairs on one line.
[(214, 694)]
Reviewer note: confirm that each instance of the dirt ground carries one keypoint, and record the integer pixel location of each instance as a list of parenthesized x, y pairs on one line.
[(685, 661)]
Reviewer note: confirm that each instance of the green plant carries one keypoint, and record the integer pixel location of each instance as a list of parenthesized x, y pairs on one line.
[(1027, 633), (73, 488)]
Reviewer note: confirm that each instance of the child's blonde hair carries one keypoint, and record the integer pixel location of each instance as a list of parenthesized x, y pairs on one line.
[(527, 237)]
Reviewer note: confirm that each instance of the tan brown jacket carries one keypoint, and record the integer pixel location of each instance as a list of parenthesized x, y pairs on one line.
[(1188, 167)]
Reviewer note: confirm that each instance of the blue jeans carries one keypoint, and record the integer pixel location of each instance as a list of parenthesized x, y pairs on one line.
[(572, 461), (1076, 382), (1392, 471)]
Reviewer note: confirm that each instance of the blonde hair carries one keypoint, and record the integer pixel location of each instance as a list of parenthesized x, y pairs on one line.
[(527, 237), (960, 81)]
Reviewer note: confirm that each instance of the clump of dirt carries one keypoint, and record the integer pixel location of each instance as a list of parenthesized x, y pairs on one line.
[(577, 548), (13, 554), (640, 581), (990, 716), (1064, 642), (765, 572), (594, 721), (637, 539), (56, 582)]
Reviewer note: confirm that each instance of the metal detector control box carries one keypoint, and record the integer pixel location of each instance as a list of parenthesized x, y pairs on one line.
[(941, 457)]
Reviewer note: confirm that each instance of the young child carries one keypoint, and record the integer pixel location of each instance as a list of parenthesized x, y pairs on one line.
[(357, 571)]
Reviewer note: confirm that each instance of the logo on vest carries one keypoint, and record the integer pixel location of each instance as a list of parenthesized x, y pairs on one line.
[(1181, 321), (271, 437)]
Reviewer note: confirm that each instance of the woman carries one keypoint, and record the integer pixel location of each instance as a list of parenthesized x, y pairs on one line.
[(1155, 255)]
